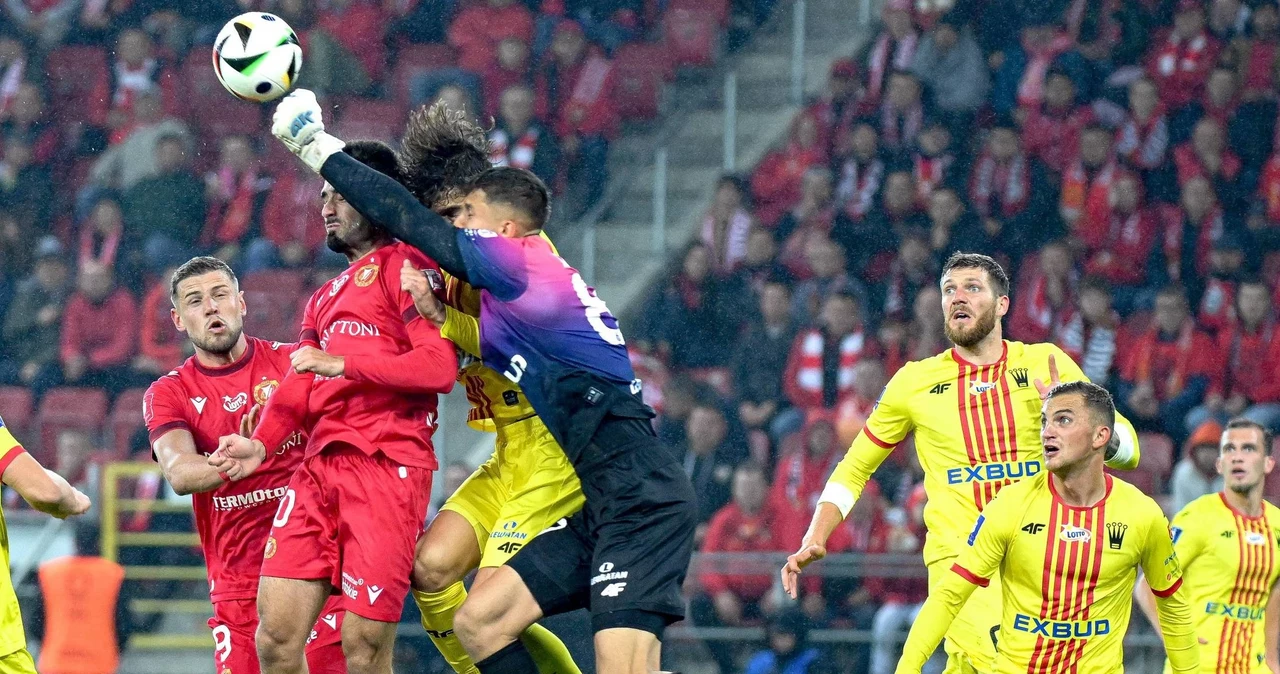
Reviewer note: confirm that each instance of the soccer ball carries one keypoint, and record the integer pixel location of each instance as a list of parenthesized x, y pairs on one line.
[(257, 57)]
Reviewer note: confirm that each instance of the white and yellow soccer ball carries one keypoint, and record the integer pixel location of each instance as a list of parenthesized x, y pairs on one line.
[(257, 57)]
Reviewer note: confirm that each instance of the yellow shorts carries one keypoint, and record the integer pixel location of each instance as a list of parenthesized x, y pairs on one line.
[(525, 487), (18, 662), (971, 639)]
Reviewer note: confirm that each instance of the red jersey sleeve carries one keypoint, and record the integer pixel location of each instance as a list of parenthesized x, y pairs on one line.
[(286, 410), (162, 408)]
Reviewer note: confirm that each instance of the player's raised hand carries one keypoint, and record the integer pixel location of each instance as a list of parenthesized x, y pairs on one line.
[(313, 360), (299, 124), (795, 563), (249, 421), (1054, 379)]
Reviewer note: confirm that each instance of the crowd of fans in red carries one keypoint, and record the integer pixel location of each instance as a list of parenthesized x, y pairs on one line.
[(1121, 159)]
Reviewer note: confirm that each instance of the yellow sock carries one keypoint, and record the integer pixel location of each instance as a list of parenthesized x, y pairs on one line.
[(548, 651), (437, 619)]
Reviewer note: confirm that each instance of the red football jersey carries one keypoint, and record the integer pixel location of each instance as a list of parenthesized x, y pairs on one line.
[(234, 519), (396, 363)]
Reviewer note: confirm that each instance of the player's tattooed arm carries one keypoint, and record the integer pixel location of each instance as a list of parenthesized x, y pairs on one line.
[(186, 470)]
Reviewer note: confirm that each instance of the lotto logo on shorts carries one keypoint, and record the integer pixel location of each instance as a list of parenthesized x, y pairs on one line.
[(1061, 629)]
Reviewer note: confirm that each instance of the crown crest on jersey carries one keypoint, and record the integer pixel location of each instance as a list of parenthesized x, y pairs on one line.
[(1115, 534), (1020, 376)]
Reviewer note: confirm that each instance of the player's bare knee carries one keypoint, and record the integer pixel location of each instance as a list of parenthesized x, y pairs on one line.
[(367, 647), (276, 645), (433, 570)]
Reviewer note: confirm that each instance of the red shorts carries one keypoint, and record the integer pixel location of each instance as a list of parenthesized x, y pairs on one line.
[(354, 520), (234, 623)]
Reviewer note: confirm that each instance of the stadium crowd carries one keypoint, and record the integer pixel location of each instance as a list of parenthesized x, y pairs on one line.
[(1122, 159)]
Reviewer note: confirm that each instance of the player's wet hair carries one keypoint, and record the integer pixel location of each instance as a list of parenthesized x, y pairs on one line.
[(518, 189), (999, 279), (1242, 422), (1096, 399), (440, 152), (199, 266)]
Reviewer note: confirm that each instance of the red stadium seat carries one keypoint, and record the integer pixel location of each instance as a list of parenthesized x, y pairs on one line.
[(416, 59), (15, 409), (691, 37), (272, 314), (68, 408), (126, 419), (72, 75), (280, 280), (1157, 454), (640, 69), (367, 118)]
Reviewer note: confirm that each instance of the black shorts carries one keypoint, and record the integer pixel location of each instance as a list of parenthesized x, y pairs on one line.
[(625, 554)]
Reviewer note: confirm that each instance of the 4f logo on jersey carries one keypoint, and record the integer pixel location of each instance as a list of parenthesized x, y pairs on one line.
[(1020, 376), (232, 404), (939, 389), (1033, 528), (1115, 534), (1228, 535)]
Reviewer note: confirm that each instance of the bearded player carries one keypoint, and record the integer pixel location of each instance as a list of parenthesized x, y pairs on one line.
[(544, 328), (527, 484), (366, 379), (1067, 544), (1227, 543), (186, 411), (975, 412)]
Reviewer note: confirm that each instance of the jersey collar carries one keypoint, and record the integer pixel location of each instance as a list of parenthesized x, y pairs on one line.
[(1004, 354), (1057, 499), (226, 369), (1239, 514)]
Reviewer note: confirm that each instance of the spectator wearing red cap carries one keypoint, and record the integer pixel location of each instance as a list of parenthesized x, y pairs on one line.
[(950, 63), (1220, 101), (479, 28), (1089, 332), (893, 49), (1169, 369), (1119, 239), (731, 597), (1051, 129), (1250, 386), (836, 109), (1143, 137), (1180, 60), (776, 181), (1086, 183), (1045, 295), (860, 169), (577, 81), (1196, 474)]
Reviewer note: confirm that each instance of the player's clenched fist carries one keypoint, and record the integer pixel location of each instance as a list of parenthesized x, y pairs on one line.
[(795, 563), (298, 124), (416, 283), (313, 360)]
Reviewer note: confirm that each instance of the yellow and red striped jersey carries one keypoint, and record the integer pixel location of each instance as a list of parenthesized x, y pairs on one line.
[(1229, 565), (494, 399), (977, 429), (1067, 575), (12, 636)]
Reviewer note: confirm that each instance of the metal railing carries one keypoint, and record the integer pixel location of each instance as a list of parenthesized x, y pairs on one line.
[(114, 539)]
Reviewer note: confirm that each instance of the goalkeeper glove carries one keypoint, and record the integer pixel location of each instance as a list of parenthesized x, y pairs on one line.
[(298, 124)]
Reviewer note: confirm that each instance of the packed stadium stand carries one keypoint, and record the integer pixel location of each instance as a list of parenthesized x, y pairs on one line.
[(1120, 158)]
